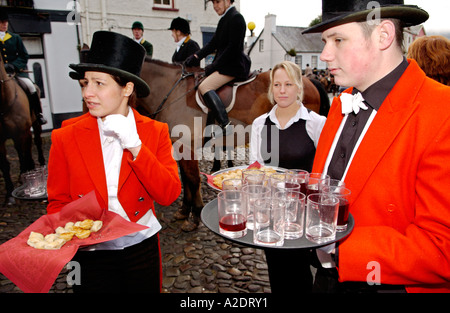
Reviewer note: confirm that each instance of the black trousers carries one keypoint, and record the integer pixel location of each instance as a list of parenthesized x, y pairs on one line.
[(135, 269), (289, 270)]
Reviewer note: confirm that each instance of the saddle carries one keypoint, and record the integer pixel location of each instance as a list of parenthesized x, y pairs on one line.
[(227, 93)]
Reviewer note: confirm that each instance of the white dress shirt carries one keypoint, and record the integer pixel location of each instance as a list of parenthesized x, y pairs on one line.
[(112, 159)]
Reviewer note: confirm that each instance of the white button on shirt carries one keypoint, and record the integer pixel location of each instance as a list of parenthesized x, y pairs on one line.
[(112, 159)]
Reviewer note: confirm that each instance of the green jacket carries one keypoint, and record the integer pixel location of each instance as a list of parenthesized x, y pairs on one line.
[(14, 52), (148, 46)]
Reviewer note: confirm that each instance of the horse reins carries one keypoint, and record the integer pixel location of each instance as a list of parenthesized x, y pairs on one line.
[(183, 75)]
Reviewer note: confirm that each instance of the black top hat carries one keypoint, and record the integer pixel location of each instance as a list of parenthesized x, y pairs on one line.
[(336, 13), (117, 55), (180, 24), (3, 14)]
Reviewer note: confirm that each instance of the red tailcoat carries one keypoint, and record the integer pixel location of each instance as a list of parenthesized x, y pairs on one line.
[(400, 183), (76, 167)]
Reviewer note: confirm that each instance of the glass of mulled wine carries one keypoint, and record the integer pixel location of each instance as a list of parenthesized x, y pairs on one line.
[(232, 212), (343, 194)]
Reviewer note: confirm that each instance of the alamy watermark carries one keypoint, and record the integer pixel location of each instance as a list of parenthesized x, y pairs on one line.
[(74, 276), (374, 276), (191, 139), (74, 16), (373, 18)]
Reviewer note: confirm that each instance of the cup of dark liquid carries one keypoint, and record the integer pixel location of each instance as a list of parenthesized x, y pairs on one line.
[(316, 179), (343, 194), (232, 212), (298, 176)]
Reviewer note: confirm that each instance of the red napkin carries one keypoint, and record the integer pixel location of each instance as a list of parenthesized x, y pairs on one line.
[(209, 179), (35, 270), (255, 165)]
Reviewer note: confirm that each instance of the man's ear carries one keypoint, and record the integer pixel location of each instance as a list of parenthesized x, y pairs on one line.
[(386, 34)]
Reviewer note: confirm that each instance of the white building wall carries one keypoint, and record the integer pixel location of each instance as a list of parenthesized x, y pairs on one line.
[(60, 49), (115, 16), (63, 96)]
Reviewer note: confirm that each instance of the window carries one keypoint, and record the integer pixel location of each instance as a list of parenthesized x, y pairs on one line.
[(261, 45), (314, 61), (164, 5), (298, 60)]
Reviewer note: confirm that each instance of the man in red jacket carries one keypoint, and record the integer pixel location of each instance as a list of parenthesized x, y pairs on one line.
[(392, 150)]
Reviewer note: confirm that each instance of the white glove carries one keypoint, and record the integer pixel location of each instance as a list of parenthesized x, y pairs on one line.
[(120, 126), (324, 255), (328, 249)]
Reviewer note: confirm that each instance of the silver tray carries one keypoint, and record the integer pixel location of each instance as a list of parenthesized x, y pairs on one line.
[(243, 167), (210, 218), (19, 193)]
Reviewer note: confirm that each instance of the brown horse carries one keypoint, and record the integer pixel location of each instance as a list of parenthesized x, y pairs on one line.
[(15, 123), (172, 100)]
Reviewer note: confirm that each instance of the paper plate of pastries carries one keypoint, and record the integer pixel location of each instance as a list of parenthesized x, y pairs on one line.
[(215, 179)]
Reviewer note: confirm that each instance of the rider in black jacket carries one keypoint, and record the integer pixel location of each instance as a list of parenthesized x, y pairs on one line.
[(230, 62), (186, 46)]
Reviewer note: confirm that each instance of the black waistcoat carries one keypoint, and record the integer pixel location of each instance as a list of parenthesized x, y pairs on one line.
[(296, 149)]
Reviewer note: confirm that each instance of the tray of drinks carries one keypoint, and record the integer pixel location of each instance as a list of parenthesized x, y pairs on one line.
[(21, 194), (210, 218)]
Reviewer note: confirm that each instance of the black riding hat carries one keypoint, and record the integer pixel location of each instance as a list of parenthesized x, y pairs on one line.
[(117, 55), (336, 13), (180, 24)]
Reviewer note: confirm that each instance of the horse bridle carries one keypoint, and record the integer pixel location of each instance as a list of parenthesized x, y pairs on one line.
[(184, 74)]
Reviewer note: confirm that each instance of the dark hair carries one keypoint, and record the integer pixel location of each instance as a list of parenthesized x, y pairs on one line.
[(399, 25), (123, 82)]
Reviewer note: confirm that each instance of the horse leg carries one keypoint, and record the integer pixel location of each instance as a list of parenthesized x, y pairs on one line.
[(216, 162), (5, 168), (37, 130), (186, 207), (192, 195), (22, 144), (229, 153)]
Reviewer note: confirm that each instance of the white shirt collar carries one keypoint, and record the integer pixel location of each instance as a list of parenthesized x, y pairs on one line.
[(302, 113), (231, 6), (180, 42)]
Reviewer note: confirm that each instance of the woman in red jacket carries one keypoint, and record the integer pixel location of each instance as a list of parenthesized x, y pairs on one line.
[(125, 157)]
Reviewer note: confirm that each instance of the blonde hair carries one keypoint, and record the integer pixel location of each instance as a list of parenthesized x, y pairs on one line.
[(432, 53), (295, 74)]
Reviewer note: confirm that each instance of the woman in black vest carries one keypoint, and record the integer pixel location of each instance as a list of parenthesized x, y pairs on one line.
[(230, 62), (287, 137)]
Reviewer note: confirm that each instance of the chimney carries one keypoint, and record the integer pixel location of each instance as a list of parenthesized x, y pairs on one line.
[(271, 23)]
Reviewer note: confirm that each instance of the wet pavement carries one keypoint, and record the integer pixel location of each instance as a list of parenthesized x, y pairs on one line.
[(193, 262)]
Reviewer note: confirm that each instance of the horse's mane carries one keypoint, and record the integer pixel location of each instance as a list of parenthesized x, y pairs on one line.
[(162, 63)]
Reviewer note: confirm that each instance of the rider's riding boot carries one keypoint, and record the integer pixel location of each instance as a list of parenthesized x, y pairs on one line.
[(214, 102), (35, 106)]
